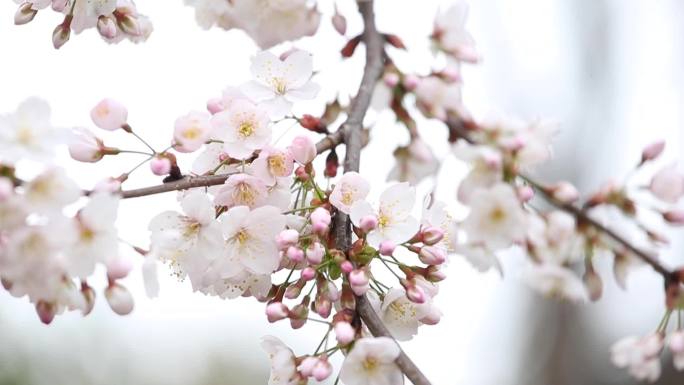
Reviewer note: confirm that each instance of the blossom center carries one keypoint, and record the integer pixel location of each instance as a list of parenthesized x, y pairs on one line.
[(279, 85), (497, 214), (383, 220), (370, 364), (242, 236), (276, 163), (25, 135), (246, 129), (244, 194), (347, 197), (192, 133)]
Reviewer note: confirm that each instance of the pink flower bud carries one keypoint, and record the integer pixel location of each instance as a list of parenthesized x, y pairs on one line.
[(6, 188), (119, 299), (322, 370), (85, 147), (25, 13), (593, 283), (677, 342), (435, 274), (215, 105), (308, 274), (307, 366), (106, 26), (287, 238), (293, 291), (339, 22), (368, 223), (315, 253), (674, 217), (88, 298), (652, 151), (320, 220), (323, 307), (346, 267), (358, 277), (432, 317), (303, 150), (452, 74), (387, 248), (60, 35), (109, 115), (46, 312), (191, 131), (119, 268), (160, 165), (430, 255), (411, 82), (668, 184), (525, 193), (414, 292), (59, 5), (344, 333), (110, 185), (295, 254), (565, 192), (432, 235), (276, 311), (391, 79)]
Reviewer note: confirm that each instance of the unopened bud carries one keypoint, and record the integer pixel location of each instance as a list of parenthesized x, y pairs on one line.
[(344, 333), (346, 267), (61, 35), (89, 299), (160, 165), (322, 369), (119, 298), (323, 307), (46, 312), (387, 248), (119, 268), (652, 151), (308, 274), (129, 24), (332, 163), (414, 292), (674, 217), (339, 22), (368, 223), (106, 26), (295, 254), (315, 253), (25, 13), (6, 188), (276, 311), (431, 255), (433, 316), (411, 82), (287, 238), (432, 235), (564, 192)]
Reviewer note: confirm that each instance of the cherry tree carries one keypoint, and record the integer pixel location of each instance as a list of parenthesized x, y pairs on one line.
[(293, 226)]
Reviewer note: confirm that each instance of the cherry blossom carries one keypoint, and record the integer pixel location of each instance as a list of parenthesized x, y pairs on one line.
[(371, 362), (639, 356), (450, 33), (496, 217), (438, 98), (273, 163), (351, 187), (191, 131), (556, 281), (400, 315), (243, 128), (242, 190), (283, 366), (668, 184), (395, 223), (27, 133), (279, 83)]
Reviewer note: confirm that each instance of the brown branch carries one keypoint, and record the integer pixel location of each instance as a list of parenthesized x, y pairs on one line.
[(327, 143), (353, 138), (458, 130)]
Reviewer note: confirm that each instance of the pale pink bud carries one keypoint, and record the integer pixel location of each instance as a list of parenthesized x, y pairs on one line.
[(430, 255), (435, 274), (287, 238), (25, 13), (295, 254), (387, 248), (391, 79), (432, 235), (322, 370), (59, 5), (129, 24), (109, 115), (303, 150), (652, 151), (106, 26), (344, 333), (215, 105), (323, 307), (668, 184), (89, 299), (307, 366), (276, 311), (432, 317), (358, 277), (565, 192), (119, 268), (593, 283), (110, 185), (452, 74), (320, 220), (414, 292), (60, 35), (411, 82), (293, 291), (677, 342), (346, 267), (46, 312), (368, 223), (119, 299), (339, 22), (525, 193), (308, 274), (6, 188), (315, 253), (674, 217), (160, 165), (85, 147), (493, 160)]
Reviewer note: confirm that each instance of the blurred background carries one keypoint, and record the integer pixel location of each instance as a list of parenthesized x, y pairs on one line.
[(608, 71)]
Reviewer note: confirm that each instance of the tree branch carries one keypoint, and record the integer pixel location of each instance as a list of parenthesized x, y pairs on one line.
[(458, 130), (353, 138), (329, 142)]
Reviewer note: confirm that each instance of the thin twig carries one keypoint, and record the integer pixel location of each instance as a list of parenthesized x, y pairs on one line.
[(457, 130)]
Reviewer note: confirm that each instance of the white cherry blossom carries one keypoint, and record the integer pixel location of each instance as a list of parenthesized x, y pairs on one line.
[(243, 128), (279, 83), (557, 282), (451, 34), (351, 187), (437, 98), (27, 133), (50, 191), (272, 163), (496, 217), (413, 163), (242, 190), (283, 365), (371, 362), (640, 355), (400, 315)]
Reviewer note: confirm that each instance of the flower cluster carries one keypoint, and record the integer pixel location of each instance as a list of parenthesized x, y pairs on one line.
[(267, 22), (115, 20)]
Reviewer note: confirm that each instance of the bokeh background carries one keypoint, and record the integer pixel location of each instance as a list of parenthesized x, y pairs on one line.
[(608, 71)]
